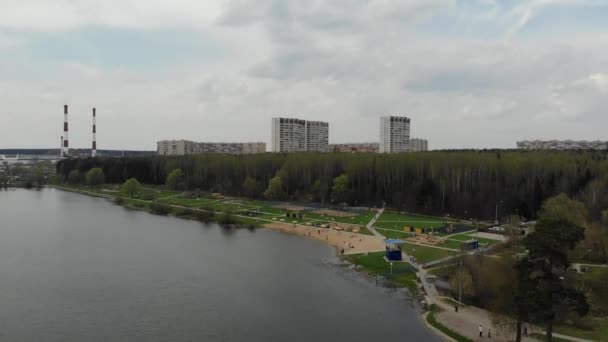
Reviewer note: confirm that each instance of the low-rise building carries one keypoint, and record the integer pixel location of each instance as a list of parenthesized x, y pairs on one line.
[(355, 147), (184, 147), (562, 145)]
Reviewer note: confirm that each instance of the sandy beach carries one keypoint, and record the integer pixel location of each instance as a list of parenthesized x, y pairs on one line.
[(351, 243)]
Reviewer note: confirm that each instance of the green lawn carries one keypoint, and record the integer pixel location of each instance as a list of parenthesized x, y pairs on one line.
[(404, 275), (362, 218), (598, 332), (541, 337), (392, 234), (425, 254), (451, 244), (397, 221)]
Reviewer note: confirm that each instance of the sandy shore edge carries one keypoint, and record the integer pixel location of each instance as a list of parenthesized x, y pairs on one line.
[(350, 243)]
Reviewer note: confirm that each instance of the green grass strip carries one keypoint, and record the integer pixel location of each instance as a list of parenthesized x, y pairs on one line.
[(432, 320)]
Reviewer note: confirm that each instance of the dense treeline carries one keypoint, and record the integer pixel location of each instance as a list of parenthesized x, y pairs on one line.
[(460, 183)]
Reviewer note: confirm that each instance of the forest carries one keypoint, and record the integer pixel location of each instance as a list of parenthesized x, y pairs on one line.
[(466, 184)]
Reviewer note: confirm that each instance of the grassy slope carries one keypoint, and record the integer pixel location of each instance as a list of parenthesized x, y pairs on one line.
[(432, 320), (236, 206), (374, 264), (598, 325), (598, 332)]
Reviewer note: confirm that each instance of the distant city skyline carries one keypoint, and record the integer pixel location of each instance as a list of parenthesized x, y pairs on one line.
[(470, 74)]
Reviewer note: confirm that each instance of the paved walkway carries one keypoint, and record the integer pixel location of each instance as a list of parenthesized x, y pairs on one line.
[(370, 225), (468, 318)]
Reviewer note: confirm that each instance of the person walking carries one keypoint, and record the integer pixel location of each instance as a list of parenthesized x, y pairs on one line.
[(480, 331), (525, 331), (489, 333)]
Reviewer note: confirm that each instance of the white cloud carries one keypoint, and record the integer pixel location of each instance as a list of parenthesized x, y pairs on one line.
[(599, 81), (345, 61), (44, 15)]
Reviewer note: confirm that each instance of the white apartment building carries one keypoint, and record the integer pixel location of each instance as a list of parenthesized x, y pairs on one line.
[(562, 145), (184, 147), (419, 145), (296, 135), (394, 134), (317, 136)]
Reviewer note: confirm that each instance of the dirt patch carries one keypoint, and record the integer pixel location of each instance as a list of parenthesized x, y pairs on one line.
[(335, 213), (289, 207), (431, 240)]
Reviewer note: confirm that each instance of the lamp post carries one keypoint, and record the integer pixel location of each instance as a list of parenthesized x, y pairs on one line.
[(496, 219), (460, 278)]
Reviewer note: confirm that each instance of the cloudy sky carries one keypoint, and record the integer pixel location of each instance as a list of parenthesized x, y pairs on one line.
[(470, 73)]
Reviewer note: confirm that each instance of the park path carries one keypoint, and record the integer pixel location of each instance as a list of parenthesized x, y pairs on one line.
[(468, 318), (370, 224)]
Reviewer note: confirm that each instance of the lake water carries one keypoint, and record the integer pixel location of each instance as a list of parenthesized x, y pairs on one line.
[(76, 268)]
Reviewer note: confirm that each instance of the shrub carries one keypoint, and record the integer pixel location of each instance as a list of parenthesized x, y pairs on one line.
[(148, 196), (139, 204), (207, 208), (184, 212), (95, 177), (175, 180), (131, 188), (204, 216), (119, 200), (74, 177), (159, 208), (227, 219)]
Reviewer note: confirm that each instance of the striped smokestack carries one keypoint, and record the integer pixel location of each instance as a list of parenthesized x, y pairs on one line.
[(66, 143), (61, 148), (94, 147)]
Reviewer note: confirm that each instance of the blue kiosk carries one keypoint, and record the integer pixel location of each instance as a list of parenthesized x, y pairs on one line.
[(393, 249)]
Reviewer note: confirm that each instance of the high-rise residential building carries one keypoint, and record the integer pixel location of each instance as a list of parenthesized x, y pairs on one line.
[(355, 147), (296, 135), (562, 145), (183, 147), (394, 134), (317, 136), (419, 145), (288, 135)]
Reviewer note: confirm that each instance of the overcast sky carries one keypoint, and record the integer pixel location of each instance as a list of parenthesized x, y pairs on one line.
[(477, 73)]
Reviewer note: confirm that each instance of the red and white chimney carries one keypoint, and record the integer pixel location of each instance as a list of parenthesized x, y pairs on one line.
[(94, 147), (66, 143), (61, 148)]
